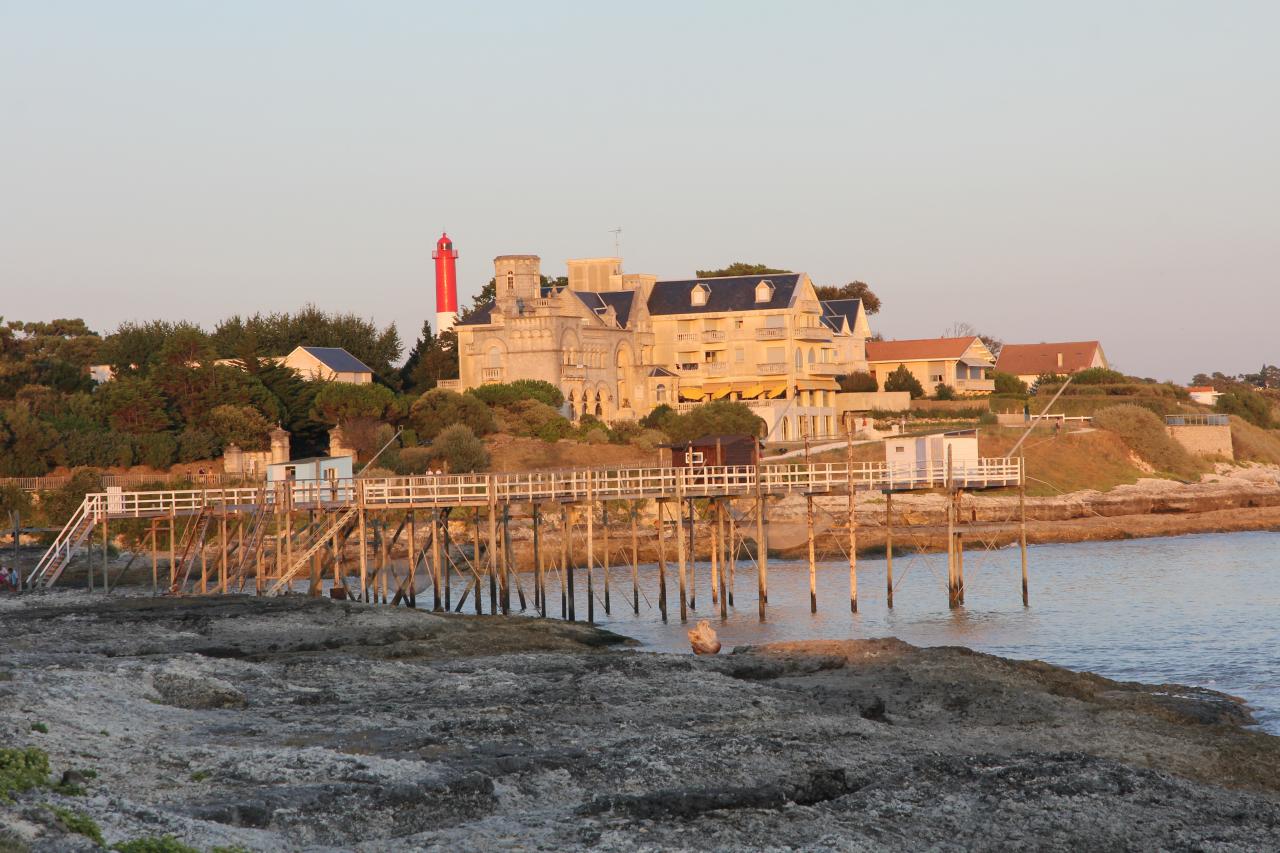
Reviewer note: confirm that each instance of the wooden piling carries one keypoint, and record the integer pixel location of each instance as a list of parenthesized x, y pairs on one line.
[(446, 558), (477, 566), (959, 567), (662, 561), (539, 581), (155, 562), (564, 560), (1022, 526), (888, 547), (604, 524), (853, 530), (507, 560), (222, 540), (733, 548), (568, 569), (813, 566), (692, 554), (364, 550), (720, 559), (712, 545), (439, 556), (591, 552), (635, 560), (762, 546), (680, 546)]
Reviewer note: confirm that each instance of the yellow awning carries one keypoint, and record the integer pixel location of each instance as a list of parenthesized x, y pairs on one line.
[(817, 385), (720, 393), (750, 391), (776, 390), (691, 392)]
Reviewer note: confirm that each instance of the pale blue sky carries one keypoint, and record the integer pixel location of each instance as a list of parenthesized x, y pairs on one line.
[(1042, 171)]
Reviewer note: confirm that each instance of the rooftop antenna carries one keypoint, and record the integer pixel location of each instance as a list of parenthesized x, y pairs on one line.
[(617, 241)]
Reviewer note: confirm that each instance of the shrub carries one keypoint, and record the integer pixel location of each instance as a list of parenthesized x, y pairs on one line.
[(622, 432), (195, 444), (1247, 404), (1045, 380), (1254, 444), (437, 409), (943, 391), (658, 417), (506, 393), (596, 435), (1007, 383), (461, 450), (157, 450), (1145, 434), (719, 417), (22, 770), (336, 402), (533, 418), (859, 381), (78, 823), (414, 460), (988, 419), (1098, 376), (902, 379), (649, 440)]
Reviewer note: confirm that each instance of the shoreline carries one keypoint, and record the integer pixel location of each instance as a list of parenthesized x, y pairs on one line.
[(283, 723)]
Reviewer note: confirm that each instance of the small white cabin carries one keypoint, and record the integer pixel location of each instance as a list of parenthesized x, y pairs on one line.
[(926, 455)]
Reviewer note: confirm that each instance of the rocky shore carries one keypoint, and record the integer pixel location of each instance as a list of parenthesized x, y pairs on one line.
[(307, 724)]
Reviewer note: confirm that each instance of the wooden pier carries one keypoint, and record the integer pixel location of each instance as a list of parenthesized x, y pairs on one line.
[(274, 537)]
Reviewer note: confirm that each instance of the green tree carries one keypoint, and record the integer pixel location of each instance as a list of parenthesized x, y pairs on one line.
[(240, 425), (943, 391), (133, 405), (460, 449), (506, 393), (739, 268), (858, 381), (1248, 404), (902, 379), (852, 290), (437, 409), (1007, 383), (433, 357), (337, 402), (719, 417)]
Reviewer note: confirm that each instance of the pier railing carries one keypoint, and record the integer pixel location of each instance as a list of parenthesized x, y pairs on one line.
[(573, 485)]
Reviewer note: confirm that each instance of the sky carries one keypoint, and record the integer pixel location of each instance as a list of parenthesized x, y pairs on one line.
[(1040, 171)]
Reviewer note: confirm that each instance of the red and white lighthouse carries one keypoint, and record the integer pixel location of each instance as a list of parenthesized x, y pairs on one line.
[(446, 284)]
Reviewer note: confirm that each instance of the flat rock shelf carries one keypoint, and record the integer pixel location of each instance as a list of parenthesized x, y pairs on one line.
[(293, 723)]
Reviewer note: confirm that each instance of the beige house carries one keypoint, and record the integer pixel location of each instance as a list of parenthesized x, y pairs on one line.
[(332, 364), (963, 363), (618, 344), (1029, 362)]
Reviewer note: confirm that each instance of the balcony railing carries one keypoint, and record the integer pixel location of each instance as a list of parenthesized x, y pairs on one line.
[(976, 386), (686, 337), (491, 374), (820, 368), (813, 333), (715, 368), (1197, 420), (770, 368), (572, 372), (688, 367), (712, 336), (449, 384), (771, 333)]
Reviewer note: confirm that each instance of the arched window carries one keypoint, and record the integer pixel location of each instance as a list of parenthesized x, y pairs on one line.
[(811, 356), (599, 408), (799, 358), (660, 393), (573, 408), (511, 281), (494, 357), (786, 429)]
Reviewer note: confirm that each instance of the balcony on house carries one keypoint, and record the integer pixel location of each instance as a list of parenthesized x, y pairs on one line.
[(688, 367), (771, 333), (813, 333), (573, 371), (770, 368), (491, 374), (975, 386), (712, 336), (717, 368), (687, 337), (449, 384), (827, 368)]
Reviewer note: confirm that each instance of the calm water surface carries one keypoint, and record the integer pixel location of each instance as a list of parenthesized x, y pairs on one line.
[(1202, 610)]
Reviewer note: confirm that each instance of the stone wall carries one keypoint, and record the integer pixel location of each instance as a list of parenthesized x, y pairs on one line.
[(1204, 440)]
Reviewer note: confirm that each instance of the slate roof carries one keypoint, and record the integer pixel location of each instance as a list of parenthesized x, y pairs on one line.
[(833, 310), (478, 317), (338, 359), (918, 350), (621, 301), (732, 293), (661, 371), (1028, 359)]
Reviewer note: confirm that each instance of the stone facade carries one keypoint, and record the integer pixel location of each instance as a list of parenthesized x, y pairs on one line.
[(1205, 440), (253, 463), (618, 345)]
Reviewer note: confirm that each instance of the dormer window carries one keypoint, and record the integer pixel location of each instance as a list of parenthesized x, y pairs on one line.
[(699, 294), (764, 291)]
